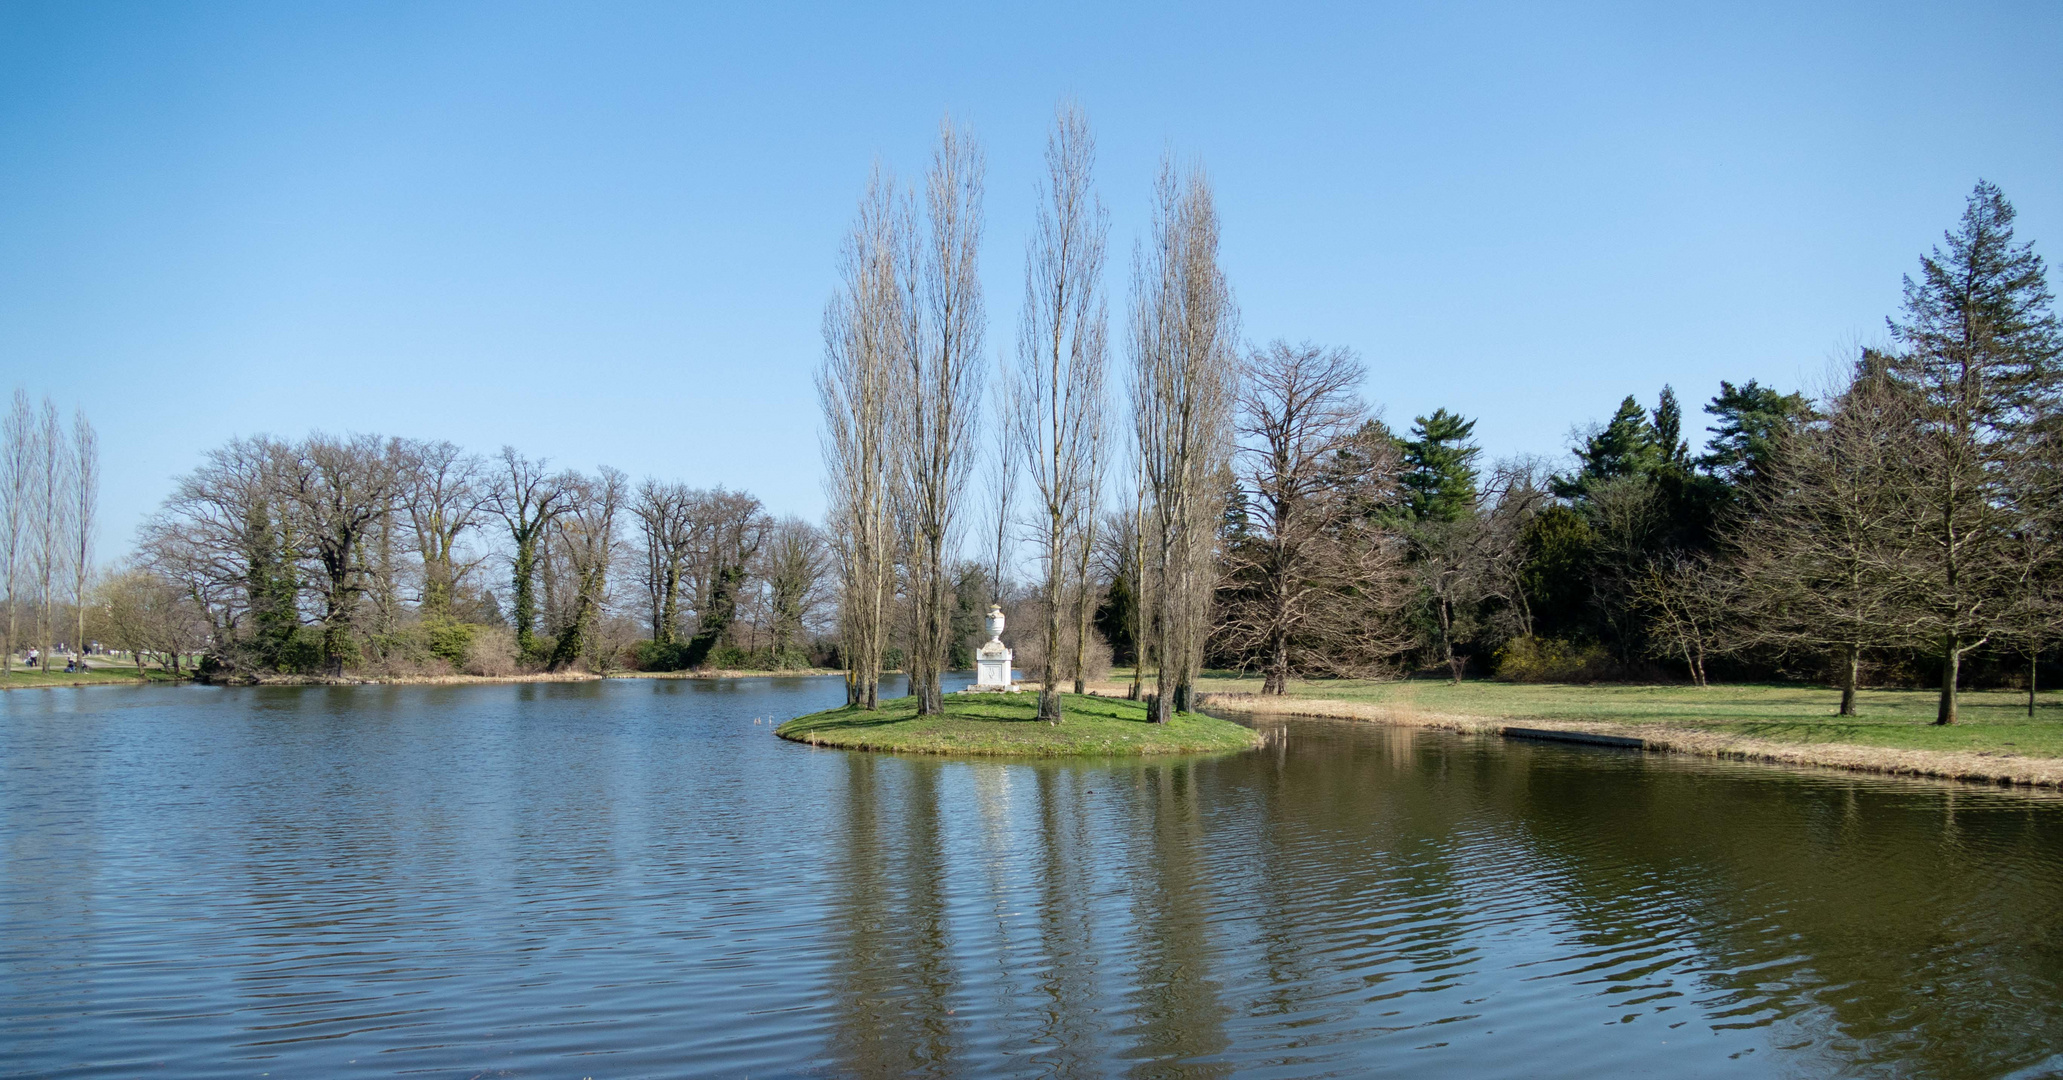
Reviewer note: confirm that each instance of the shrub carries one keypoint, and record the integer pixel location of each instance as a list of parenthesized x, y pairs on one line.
[(449, 640), (661, 656), (491, 651), (731, 658), (1537, 660)]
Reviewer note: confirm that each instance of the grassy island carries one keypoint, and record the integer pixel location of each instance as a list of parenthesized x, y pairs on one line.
[(1007, 724)]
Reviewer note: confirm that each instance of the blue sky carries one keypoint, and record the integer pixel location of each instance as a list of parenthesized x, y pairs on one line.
[(605, 233)]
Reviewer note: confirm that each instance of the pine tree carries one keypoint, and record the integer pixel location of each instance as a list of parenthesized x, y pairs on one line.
[(1439, 467)]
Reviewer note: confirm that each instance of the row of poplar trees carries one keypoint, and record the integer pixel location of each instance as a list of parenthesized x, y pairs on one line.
[(902, 386)]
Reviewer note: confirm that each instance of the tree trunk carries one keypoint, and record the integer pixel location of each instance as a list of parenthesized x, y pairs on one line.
[(1276, 681), (1049, 693), (1951, 667), (1447, 640), (2033, 663), (1851, 662)]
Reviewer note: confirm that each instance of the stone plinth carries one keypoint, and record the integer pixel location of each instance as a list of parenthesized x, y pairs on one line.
[(992, 661)]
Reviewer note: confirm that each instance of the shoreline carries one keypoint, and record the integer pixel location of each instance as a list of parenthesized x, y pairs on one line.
[(978, 725), (1997, 770), (423, 680)]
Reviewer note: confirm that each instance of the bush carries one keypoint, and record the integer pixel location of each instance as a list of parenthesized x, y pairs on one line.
[(660, 656), (733, 658), (491, 651), (449, 640), (1539, 660)]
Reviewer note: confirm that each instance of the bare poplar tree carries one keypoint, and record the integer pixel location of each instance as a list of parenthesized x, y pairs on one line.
[(1002, 476), (53, 511), (939, 402), (16, 471), (1062, 342), (864, 337), (85, 501), (1185, 376)]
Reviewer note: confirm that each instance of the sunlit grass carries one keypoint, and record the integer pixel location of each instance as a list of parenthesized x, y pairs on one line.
[(91, 677), (1007, 724), (1993, 721)]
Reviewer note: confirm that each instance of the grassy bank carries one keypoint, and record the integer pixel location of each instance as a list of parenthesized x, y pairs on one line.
[(1007, 724), (1993, 722), (1996, 742), (109, 676)]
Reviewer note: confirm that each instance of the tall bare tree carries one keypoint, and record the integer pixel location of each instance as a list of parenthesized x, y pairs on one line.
[(794, 564), (665, 513), (940, 399), (17, 468), (865, 335), (53, 515), (340, 490), (730, 527), (444, 493), (1062, 344), (1002, 475), (85, 504), (586, 531), (528, 500), (1812, 564), (1185, 377), (1297, 408)]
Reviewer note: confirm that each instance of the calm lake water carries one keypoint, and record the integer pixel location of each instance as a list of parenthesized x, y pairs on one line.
[(635, 878)]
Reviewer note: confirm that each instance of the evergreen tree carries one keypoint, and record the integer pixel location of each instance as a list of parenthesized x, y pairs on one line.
[(1439, 467), (1673, 450), (1751, 419), (1625, 446), (1979, 354)]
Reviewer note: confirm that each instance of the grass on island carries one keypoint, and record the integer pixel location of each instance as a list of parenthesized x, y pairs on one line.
[(118, 675), (1990, 721), (1007, 724)]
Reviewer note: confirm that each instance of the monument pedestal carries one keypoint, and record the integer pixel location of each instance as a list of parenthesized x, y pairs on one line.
[(992, 661)]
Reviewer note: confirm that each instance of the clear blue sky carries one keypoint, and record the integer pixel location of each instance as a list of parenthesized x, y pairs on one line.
[(605, 233)]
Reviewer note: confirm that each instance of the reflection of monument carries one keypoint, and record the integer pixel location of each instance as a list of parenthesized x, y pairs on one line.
[(992, 663)]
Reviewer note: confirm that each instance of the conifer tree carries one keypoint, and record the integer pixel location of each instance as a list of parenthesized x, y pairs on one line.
[(1979, 349)]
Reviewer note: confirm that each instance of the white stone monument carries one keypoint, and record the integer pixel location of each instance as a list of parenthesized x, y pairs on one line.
[(992, 663)]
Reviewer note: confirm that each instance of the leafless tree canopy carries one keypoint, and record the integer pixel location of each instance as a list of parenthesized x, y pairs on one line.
[(1307, 590), (1185, 374), (1058, 411)]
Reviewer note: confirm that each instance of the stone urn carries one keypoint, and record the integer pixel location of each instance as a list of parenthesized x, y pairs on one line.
[(992, 662)]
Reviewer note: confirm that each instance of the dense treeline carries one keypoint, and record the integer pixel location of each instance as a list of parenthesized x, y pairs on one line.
[(1903, 525), (401, 556), (1245, 509), (1899, 527)]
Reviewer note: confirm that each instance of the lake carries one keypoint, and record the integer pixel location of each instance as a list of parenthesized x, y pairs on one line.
[(636, 878)]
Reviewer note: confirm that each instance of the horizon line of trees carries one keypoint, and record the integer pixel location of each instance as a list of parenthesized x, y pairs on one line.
[(331, 553), (1274, 524), (1899, 526)]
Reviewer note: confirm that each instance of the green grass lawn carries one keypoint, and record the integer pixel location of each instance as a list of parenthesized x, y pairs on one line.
[(116, 675), (1007, 724), (1991, 720)]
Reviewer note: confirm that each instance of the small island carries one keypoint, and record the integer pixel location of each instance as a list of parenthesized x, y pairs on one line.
[(982, 724)]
